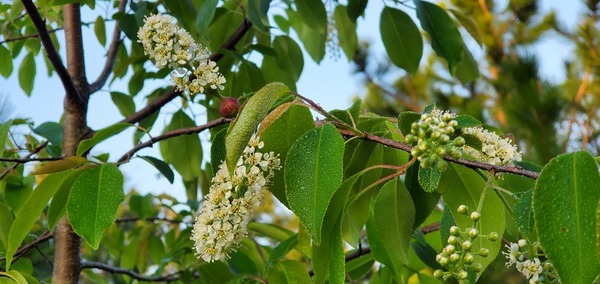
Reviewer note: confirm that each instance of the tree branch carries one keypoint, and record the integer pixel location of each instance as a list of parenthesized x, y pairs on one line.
[(17, 38), (464, 162), (178, 132), (25, 159), (111, 55), (74, 46), (171, 93), (51, 52), (130, 273), (151, 219), (26, 248)]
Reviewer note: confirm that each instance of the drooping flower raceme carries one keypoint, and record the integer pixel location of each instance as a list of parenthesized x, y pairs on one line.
[(172, 47), (495, 150), (227, 209)]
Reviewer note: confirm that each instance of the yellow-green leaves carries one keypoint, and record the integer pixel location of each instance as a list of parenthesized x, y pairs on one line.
[(445, 38), (100, 136), (401, 38), (183, 152), (313, 172), (27, 73), (312, 12), (93, 201), (100, 30), (564, 204), (254, 111)]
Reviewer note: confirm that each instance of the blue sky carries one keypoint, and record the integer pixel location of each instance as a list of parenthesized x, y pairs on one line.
[(331, 84)]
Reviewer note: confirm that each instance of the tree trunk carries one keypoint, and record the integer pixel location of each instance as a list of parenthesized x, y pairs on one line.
[(67, 260)]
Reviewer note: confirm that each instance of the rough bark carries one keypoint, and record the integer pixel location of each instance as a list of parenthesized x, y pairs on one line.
[(67, 262)]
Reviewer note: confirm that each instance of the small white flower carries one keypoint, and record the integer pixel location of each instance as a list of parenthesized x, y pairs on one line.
[(532, 269), (495, 150), (513, 255)]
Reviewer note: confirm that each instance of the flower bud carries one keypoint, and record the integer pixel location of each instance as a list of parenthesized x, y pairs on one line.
[(473, 233), (484, 252), (466, 245), (493, 236), (444, 261), (469, 258), (438, 273), (522, 243), (463, 209), (449, 249), (463, 275), (475, 216), (229, 107), (477, 267), (454, 231), (459, 141), (454, 257), (452, 240)]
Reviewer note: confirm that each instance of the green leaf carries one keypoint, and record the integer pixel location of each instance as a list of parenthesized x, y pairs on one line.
[(287, 271), (128, 24), (12, 277), (100, 136), (100, 30), (289, 56), (379, 251), (445, 37), (523, 213), (279, 138), (6, 67), (359, 267), (183, 152), (312, 12), (356, 8), (6, 220), (564, 205), (217, 150), (205, 15), (257, 13), (27, 72), (143, 206), (93, 202), (313, 39), (468, 68), (406, 119), (313, 172), (283, 248), (346, 28), (401, 38), (425, 201), (465, 120), (469, 24), (60, 165), (58, 207), (463, 186), (51, 131), (271, 231), (136, 82), (254, 111), (394, 213), (3, 135), (161, 166), (429, 178), (30, 212)]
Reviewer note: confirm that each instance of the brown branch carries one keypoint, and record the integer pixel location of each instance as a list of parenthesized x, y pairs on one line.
[(111, 54), (26, 158), (151, 219), (23, 37), (172, 93), (26, 248), (130, 273), (178, 132), (74, 46), (51, 52), (464, 162)]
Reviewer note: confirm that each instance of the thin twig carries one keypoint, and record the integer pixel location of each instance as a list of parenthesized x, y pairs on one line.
[(172, 93), (130, 273), (178, 132), (51, 52), (26, 248), (27, 157), (111, 55), (36, 159), (23, 37)]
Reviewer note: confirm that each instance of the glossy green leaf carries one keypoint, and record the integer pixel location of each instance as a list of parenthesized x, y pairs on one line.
[(6, 220), (58, 207), (257, 13), (445, 37), (463, 186), (206, 15), (100, 136), (469, 24), (273, 73), (27, 72), (12, 277), (523, 213), (564, 204), (287, 271), (356, 8), (183, 152), (6, 67), (289, 56), (429, 178), (379, 251), (468, 68), (93, 201), (254, 111), (401, 38), (100, 30), (270, 230), (360, 267), (313, 172), (279, 138), (217, 150), (424, 201), (312, 12), (30, 212), (394, 213), (123, 102), (161, 166), (314, 40), (346, 28), (406, 119), (60, 165), (283, 248), (51, 131)]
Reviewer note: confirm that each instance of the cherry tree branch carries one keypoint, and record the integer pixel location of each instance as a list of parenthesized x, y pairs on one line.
[(46, 236), (111, 55), (24, 159), (130, 273), (23, 37), (172, 93), (178, 132), (51, 52)]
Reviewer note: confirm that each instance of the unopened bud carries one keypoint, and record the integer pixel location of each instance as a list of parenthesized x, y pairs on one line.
[(475, 216), (463, 209), (229, 107)]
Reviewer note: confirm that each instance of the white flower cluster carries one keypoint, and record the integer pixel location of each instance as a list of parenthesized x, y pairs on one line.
[(532, 269), (495, 150), (228, 207), (170, 46)]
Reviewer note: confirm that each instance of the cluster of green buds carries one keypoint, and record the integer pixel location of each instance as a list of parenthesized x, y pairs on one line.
[(458, 257), (431, 138)]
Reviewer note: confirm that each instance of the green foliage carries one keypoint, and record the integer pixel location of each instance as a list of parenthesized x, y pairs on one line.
[(183, 152), (564, 204), (100, 136), (401, 38)]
